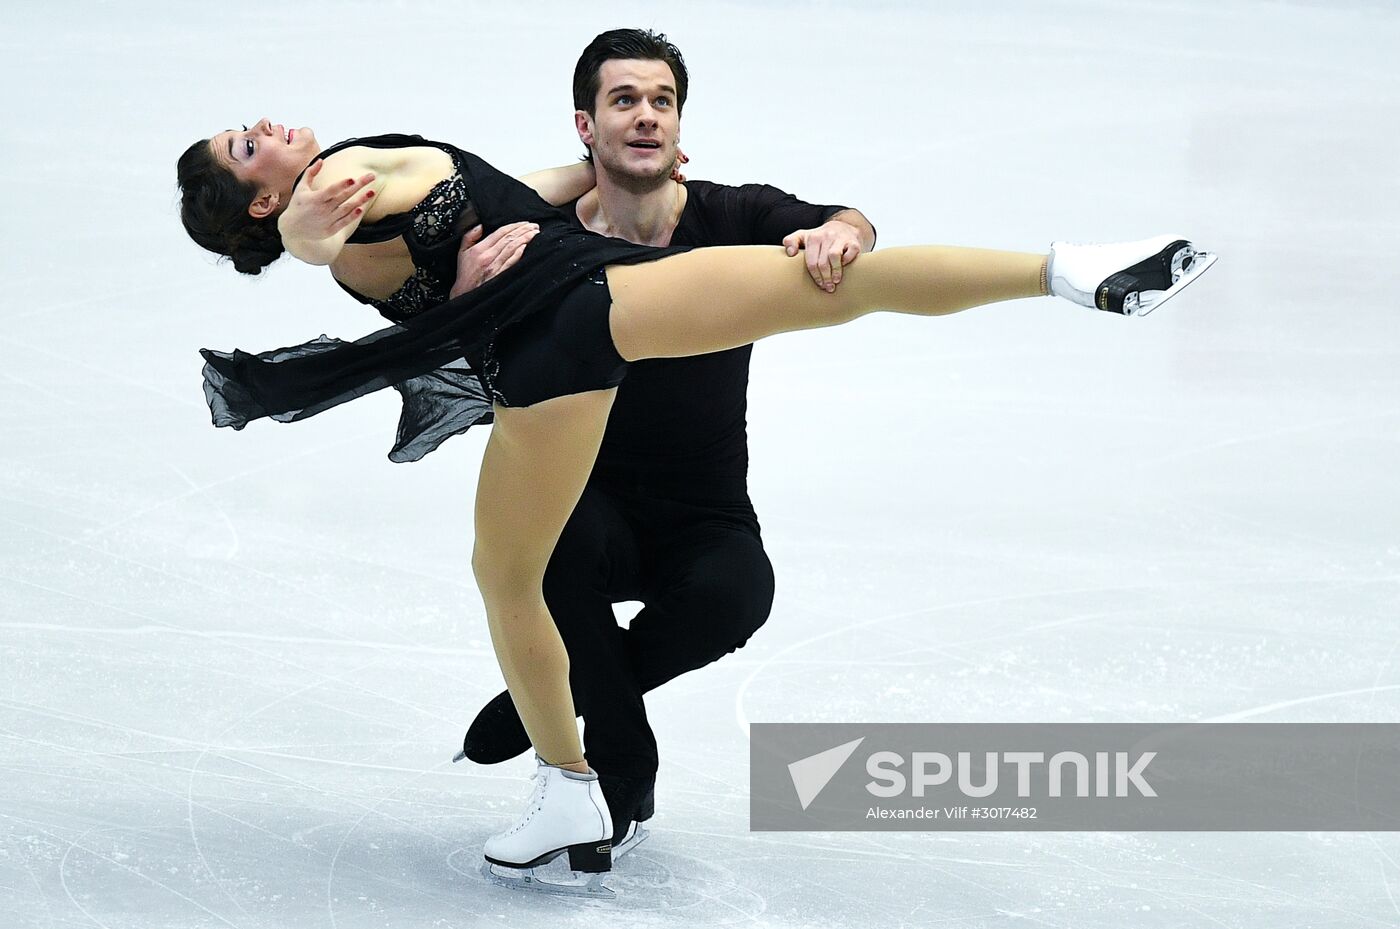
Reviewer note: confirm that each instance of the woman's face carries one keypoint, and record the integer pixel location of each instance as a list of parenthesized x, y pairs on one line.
[(269, 157)]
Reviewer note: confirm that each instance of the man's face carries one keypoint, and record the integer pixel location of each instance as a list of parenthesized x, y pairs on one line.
[(636, 125)]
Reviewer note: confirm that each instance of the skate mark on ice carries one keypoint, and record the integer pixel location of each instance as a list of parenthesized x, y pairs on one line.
[(1270, 893), (384, 625), (269, 778), (1385, 879), (365, 809), (40, 895), (185, 287), (375, 809), (1266, 435), (322, 678), (116, 774), (162, 572), (194, 772), (646, 881), (741, 717), (262, 657), (226, 752), (196, 490), (878, 848), (1239, 715), (63, 878), (69, 361), (228, 635), (1371, 837), (1266, 529)]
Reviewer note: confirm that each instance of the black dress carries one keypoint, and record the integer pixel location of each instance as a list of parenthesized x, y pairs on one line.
[(444, 355)]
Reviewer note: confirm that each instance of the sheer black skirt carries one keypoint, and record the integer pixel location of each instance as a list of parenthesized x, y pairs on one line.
[(435, 360)]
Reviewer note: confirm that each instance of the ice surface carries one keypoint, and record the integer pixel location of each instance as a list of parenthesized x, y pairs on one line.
[(228, 696)]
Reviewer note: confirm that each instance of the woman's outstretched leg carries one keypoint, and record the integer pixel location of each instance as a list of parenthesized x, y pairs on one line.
[(717, 298)]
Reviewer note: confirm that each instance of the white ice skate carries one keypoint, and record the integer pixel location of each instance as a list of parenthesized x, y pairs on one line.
[(1132, 278), (566, 813)]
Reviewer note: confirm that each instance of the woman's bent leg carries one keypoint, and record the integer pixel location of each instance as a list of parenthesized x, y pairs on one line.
[(536, 464), (716, 298)]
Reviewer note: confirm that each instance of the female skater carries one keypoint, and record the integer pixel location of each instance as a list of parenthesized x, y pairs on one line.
[(549, 340)]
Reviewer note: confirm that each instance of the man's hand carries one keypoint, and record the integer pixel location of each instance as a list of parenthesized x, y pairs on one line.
[(316, 214), (829, 247), (479, 260)]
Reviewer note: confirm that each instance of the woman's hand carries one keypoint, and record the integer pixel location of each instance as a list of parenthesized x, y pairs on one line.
[(318, 219), (681, 159)]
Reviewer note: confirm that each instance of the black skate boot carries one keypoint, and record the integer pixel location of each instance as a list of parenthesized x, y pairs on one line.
[(496, 735), (632, 801)]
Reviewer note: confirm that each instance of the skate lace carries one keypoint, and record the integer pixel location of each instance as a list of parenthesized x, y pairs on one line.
[(533, 804)]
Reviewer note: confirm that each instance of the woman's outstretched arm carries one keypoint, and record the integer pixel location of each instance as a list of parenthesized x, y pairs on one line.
[(325, 211)]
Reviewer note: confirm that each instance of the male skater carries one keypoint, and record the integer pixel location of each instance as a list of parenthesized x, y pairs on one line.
[(666, 517)]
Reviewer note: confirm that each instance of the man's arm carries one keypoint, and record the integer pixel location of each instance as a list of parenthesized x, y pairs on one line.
[(831, 236), (857, 221)]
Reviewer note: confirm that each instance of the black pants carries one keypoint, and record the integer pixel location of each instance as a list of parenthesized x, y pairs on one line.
[(706, 583)]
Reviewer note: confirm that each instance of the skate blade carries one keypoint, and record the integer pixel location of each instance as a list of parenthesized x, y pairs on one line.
[(636, 836), (1187, 265), (526, 879)]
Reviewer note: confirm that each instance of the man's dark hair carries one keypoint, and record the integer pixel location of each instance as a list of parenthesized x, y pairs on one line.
[(625, 44)]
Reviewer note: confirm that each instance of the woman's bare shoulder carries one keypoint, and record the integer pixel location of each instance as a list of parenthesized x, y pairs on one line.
[(358, 159), (403, 176)]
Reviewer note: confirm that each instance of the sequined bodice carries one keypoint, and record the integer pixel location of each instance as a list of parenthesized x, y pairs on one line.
[(435, 216), (431, 229), (434, 221)]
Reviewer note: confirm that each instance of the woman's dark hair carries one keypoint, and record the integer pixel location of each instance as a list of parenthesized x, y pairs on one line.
[(625, 44), (214, 209)]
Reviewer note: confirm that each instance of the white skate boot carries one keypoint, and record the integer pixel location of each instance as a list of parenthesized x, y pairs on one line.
[(1132, 278), (566, 813)]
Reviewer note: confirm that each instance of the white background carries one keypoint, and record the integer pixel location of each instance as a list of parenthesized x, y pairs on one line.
[(234, 666)]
